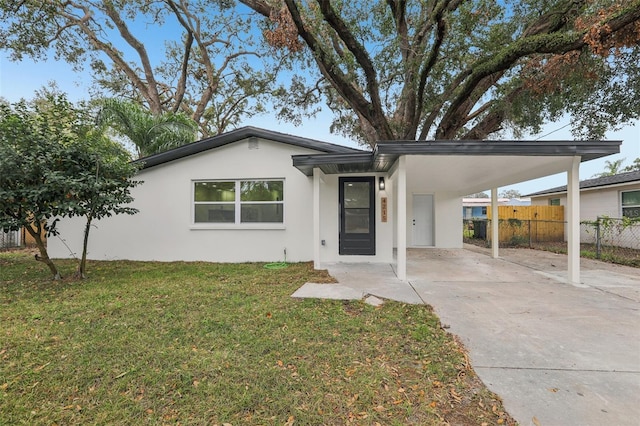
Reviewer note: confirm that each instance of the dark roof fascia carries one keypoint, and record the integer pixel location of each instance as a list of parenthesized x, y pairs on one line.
[(386, 153), (601, 182), (588, 150), (306, 163), (237, 135)]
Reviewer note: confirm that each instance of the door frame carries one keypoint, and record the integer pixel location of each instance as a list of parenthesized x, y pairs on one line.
[(357, 244), (430, 222)]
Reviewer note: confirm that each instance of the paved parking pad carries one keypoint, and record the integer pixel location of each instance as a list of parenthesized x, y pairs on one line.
[(557, 353)]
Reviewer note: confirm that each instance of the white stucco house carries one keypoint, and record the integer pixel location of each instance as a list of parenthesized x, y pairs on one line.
[(253, 194), (614, 196)]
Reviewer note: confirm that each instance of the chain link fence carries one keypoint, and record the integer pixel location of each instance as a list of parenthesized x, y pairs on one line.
[(514, 232), (9, 239), (610, 239)]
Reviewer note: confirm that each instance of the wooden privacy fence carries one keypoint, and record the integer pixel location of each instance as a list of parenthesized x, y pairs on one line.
[(522, 224)]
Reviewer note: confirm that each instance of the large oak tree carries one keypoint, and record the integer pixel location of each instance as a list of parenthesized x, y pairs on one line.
[(190, 56), (455, 69)]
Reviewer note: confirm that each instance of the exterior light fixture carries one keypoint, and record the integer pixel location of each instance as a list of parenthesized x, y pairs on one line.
[(381, 183)]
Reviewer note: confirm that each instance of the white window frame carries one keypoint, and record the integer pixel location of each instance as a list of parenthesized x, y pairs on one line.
[(622, 207), (238, 224)]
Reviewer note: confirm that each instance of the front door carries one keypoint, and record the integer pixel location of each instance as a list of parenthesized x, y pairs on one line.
[(357, 215), (422, 226)]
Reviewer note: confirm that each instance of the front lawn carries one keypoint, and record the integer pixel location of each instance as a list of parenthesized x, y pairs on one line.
[(203, 343)]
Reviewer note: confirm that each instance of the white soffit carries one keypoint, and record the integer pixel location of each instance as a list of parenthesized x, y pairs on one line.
[(464, 174)]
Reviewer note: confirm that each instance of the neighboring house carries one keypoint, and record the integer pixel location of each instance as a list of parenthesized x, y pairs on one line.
[(614, 196), (476, 208), (252, 194)]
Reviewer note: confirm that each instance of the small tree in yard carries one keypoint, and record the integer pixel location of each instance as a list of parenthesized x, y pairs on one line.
[(100, 174), (32, 185), (55, 163)]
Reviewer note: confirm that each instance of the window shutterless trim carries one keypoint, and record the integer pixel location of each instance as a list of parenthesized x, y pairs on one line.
[(238, 204), (623, 206)]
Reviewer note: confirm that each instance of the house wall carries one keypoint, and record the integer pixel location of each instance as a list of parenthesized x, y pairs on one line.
[(447, 212), (593, 202), (448, 220), (163, 229), (599, 202), (475, 212)]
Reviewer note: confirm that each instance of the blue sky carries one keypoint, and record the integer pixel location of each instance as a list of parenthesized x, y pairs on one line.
[(21, 80)]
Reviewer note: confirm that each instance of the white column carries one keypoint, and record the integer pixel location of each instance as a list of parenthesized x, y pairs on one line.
[(573, 221), (317, 177), (495, 237), (401, 220)]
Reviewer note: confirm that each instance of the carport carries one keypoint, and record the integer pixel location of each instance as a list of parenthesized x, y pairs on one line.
[(446, 171)]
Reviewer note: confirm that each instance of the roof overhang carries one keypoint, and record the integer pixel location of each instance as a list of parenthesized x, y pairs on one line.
[(386, 153), (625, 179), (241, 134), (334, 163)]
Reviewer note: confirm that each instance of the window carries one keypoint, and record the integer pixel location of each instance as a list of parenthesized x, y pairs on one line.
[(630, 203), (239, 201), (554, 201)]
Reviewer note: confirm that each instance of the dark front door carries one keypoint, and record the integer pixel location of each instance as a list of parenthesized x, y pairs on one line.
[(357, 215)]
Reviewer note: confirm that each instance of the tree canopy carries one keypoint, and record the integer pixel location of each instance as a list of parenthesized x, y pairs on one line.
[(510, 193), (32, 185), (479, 195), (208, 69), (635, 166), (54, 162), (453, 69), (611, 168), (388, 70), (150, 133)]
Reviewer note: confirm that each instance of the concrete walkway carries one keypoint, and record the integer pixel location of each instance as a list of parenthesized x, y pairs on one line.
[(556, 353)]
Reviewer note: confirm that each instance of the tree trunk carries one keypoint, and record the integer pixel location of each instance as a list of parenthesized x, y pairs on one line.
[(80, 273), (44, 256)]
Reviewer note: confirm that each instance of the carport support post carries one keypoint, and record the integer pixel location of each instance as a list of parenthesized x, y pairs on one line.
[(401, 265), (317, 177), (495, 238), (573, 220)]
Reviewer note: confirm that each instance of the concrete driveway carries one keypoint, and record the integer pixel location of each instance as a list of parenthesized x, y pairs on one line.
[(556, 353)]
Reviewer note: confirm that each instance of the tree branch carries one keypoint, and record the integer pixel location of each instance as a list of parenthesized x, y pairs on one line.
[(155, 104), (185, 18), (373, 89), (184, 69), (260, 6), (432, 58), (329, 69), (538, 43)]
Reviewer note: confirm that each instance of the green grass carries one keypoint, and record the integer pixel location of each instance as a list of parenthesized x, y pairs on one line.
[(204, 343)]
